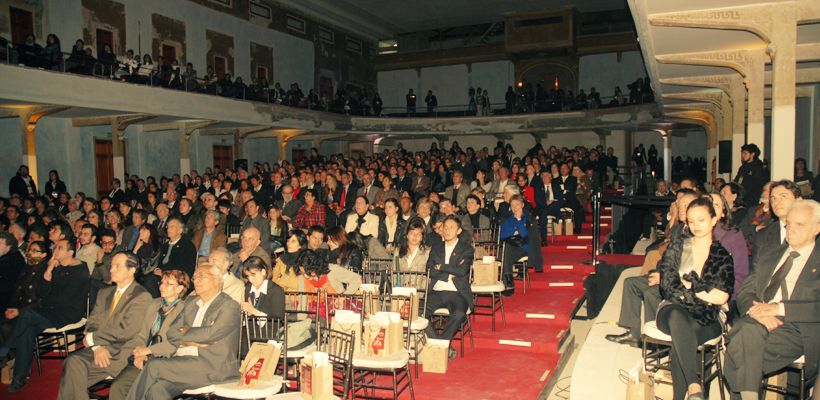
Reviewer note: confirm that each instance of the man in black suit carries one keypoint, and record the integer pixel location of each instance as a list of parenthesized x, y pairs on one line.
[(12, 264), (403, 182), (347, 197), (117, 194), (259, 191), (780, 305), (276, 182), (288, 204), (132, 233), (449, 265), (549, 199), (782, 195), (569, 185), (179, 254)]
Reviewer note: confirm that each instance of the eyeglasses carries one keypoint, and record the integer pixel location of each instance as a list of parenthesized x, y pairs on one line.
[(108, 243)]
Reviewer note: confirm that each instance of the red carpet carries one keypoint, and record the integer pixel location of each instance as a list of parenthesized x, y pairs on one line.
[(536, 322)]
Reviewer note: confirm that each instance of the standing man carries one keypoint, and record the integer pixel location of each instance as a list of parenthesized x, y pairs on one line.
[(110, 332), (752, 174), (411, 103), (432, 102)]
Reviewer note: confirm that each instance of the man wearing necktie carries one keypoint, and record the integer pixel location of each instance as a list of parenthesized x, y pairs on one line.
[(780, 307), (111, 331)]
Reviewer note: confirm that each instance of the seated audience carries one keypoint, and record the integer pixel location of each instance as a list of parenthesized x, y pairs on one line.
[(476, 219), (362, 220), (178, 254), (63, 293), (731, 239), (519, 235), (345, 251), (697, 277), (262, 297), (12, 264), (734, 196), (391, 226), (310, 213), (779, 307), (449, 265), (152, 337), (208, 238), (249, 245), (278, 228), (255, 219), (205, 337), (288, 204), (231, 285), (110, 332), (413, 251), (286, 272), (457, 193)]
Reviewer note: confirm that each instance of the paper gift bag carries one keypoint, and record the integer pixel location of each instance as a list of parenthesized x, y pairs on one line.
[(569, 227), (316, 377), (383, 335), (663, 389), (435, 356), (5, 374), (640, 385), (485, 274), (407, 306), (480, 252), (370, 299), (781, 380), (349, 322), (557, 227), (259, 364)]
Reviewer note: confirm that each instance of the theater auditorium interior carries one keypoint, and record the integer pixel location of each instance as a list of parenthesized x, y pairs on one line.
[(387, 199)]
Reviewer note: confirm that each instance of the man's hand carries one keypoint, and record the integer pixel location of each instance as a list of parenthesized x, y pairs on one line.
[(771, 323), (141, 351), (286, 218), (12, 313), (157, 272), (139, 362), (100, 254), (654, 278), (243, 254), (193, 344), (759, 310), (102, 357)]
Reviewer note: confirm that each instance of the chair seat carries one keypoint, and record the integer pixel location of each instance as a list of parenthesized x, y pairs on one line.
[(801, 360), (292, 396), (199, 391), (264, 389), (494, 288), (70, 327), (394, 361), (418, 325), (443, 312), (301, 353), (651, 330), (523, 259)]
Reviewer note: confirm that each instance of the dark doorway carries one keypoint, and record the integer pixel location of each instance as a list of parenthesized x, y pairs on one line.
[(104, 165), (298, 155), (22, 24), (223, 157), (169, 53), (219, 66), (104, 37)]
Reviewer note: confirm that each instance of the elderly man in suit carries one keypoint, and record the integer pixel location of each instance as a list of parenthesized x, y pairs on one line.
[(449, 265), (249, 245), (152, 339), (549, 199), (110, 333), (209, 237), (420, 183), (368, 189), (205, 335), (288, 204), (253, 218), (459, 191), (780, 307)]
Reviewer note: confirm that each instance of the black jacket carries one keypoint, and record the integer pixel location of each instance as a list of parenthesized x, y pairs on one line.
[(63, 300), (461, 262), (183, 257), (272, 303), (18, 185), (752, 176), (11, 267), (541, 193)]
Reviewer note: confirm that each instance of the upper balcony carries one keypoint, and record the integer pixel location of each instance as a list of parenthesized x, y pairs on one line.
[(91, 96)]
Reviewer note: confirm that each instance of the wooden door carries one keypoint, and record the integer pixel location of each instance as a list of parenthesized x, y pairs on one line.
[(326, 87), (261, 72), (169, 53), (104, 165), (298, 155), (223, 157), (22, 24), (219, 66), (104, 37)]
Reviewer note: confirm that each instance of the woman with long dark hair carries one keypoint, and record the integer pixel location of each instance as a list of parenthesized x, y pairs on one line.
[(343, 251), (285, 271), (413, 250), (697, 277), (54, 186), (733, 194), (731, 238)]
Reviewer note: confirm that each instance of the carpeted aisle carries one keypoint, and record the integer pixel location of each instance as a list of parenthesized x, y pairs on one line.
[(514, 362)]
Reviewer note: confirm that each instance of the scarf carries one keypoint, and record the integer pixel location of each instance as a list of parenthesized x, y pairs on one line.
[(165, 308)]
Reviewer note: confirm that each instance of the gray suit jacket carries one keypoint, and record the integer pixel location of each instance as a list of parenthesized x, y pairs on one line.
[(219, 361), (461, 196), (420, 188), (118, 331), (419, 263), (162, 348), (371, 194), (263, 225), (291, 208)]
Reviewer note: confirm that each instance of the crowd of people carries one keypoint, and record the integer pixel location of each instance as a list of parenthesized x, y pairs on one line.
[(304, 227), (740, 259)]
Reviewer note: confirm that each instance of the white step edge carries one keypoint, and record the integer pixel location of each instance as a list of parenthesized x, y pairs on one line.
[(540, 316), (519, 343), (577, 247), (562, 267), (582, 237), (562, 284)]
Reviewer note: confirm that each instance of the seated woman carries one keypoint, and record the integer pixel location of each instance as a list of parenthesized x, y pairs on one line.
[(147, 248), (285, 271), (391, 227), (697, 275), (343, 251), (314, 273), (413, 251), (278, 228), (263, 297), (733, 194), (160, 313), (731, 238)]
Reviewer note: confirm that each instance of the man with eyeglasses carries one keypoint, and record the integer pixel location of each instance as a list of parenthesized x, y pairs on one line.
[(205, 336), (288, 204)]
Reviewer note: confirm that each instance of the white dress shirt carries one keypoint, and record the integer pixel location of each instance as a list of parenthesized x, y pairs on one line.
[(200, 315), (89, 337), (794, 273), (447, 286)]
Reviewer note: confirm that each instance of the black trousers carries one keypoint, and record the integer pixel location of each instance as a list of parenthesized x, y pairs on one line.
[(512, 254), (687, 334), (453, 302), (637, 291), (753, 351), (543, 212)]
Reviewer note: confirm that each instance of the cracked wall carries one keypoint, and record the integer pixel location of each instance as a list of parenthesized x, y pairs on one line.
[(168, 32), (99, 18), (221, 46)]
